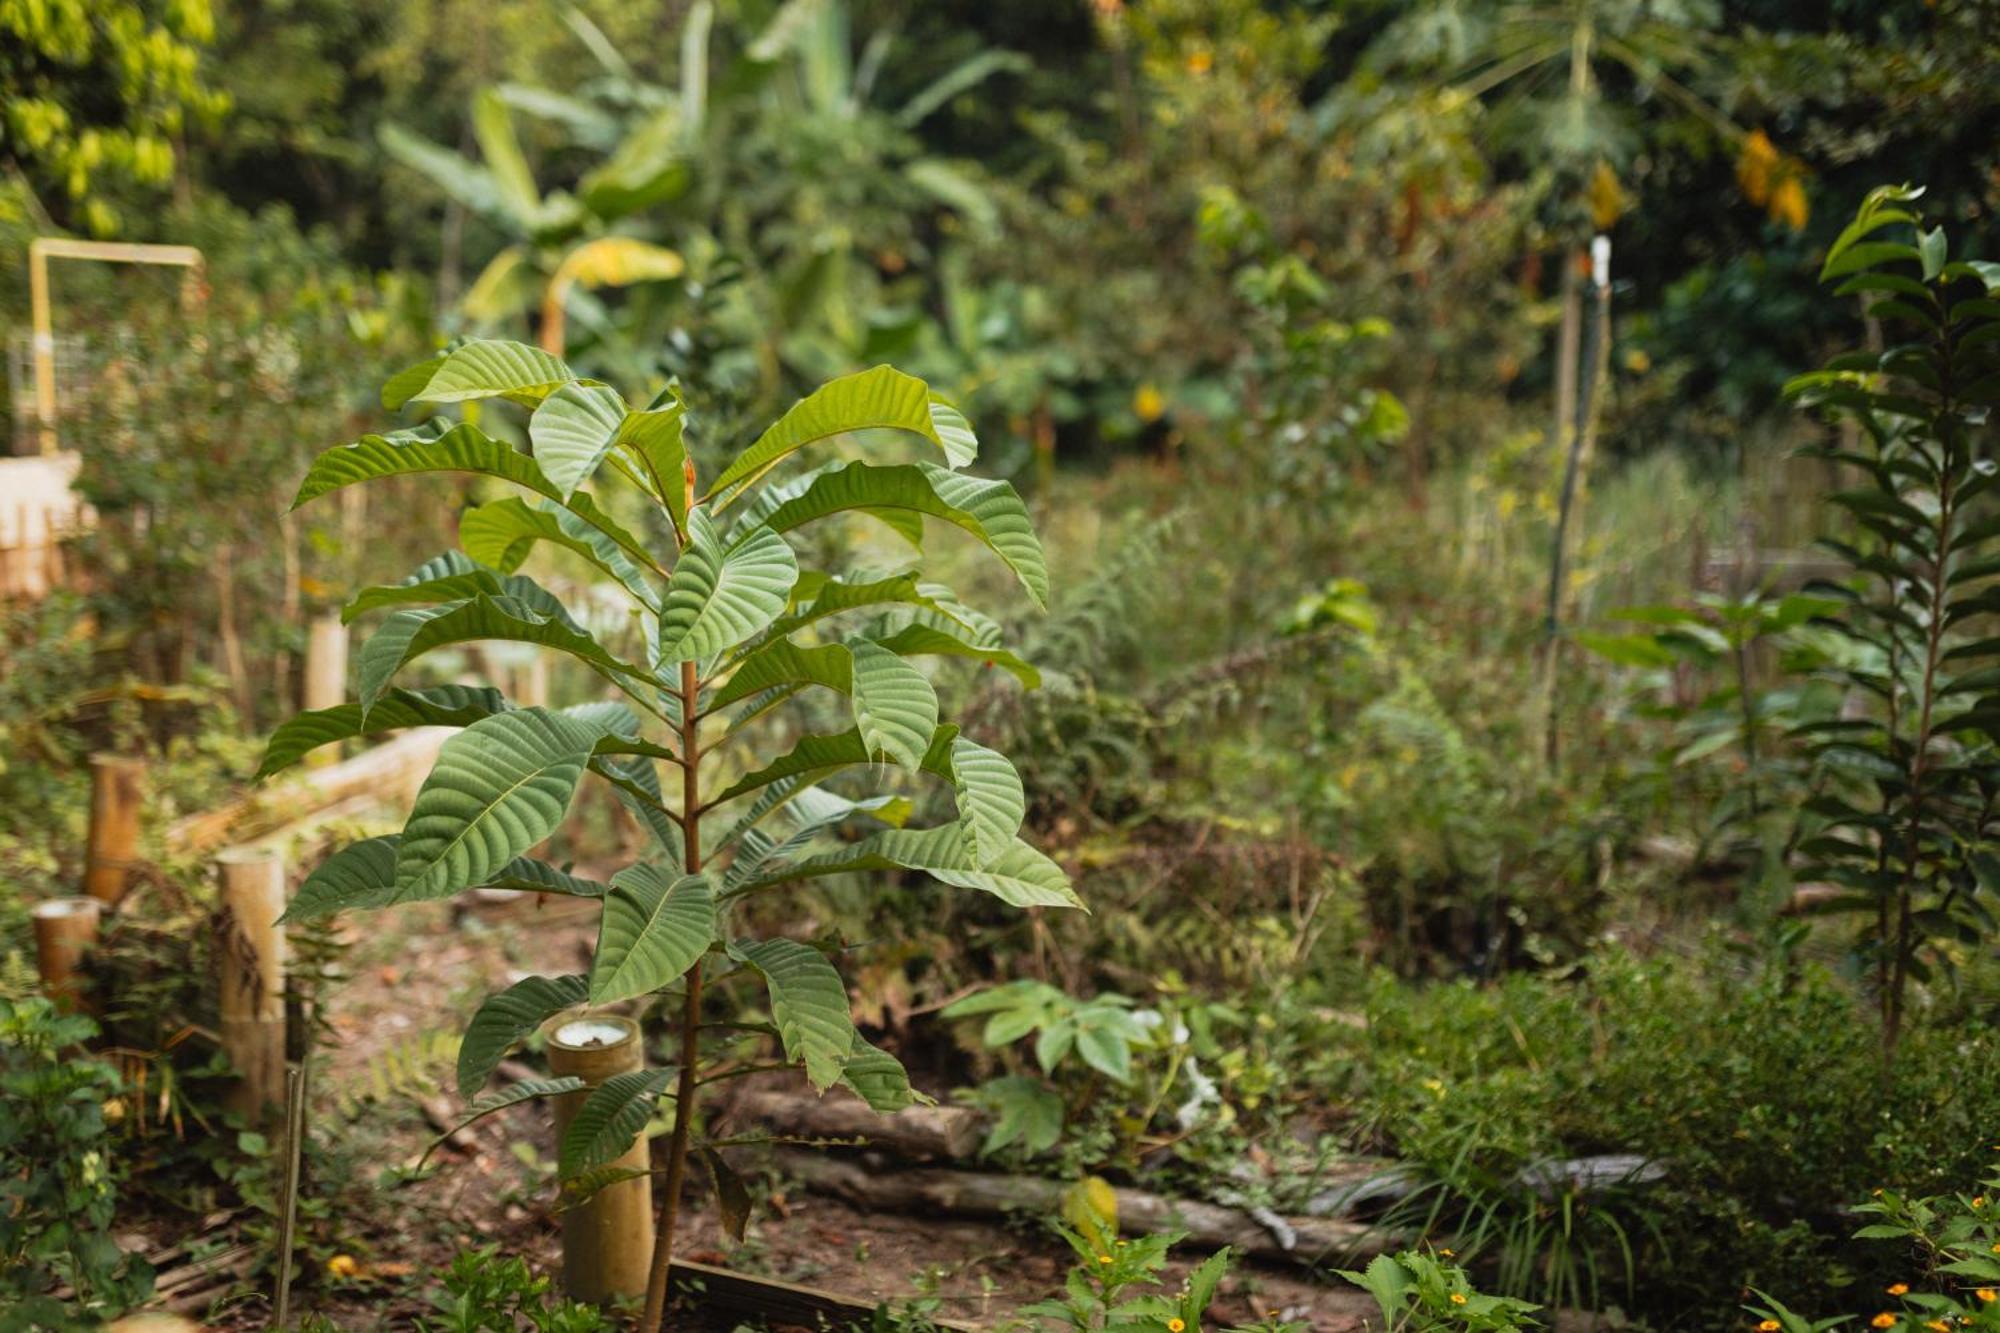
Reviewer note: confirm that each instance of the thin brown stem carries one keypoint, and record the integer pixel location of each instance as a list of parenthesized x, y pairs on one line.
[(684, 1100)]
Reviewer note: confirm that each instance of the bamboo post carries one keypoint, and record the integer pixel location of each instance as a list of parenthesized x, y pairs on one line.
[(326, 674), (530, 682), (251, 958), (65, 928), (608, 1239), (116, 788)]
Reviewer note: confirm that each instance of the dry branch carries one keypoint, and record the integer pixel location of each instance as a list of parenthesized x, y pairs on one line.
[(1313, 1240)]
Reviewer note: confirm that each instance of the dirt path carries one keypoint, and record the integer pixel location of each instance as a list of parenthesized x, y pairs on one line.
[(419, 972)]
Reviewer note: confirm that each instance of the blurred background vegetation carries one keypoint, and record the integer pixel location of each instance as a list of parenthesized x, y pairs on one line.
[(1268, 309)]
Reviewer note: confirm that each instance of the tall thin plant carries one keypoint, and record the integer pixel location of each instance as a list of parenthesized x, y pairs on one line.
[(732, 629), (1910, 833)]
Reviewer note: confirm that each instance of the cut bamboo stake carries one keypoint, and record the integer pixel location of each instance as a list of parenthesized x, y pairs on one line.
[(530, 680), (65, 928), (326, 674), (116, 787), (608, 1239), (251, 954), (288, 1216)]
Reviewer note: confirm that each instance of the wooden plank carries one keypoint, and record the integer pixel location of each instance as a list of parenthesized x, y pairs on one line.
[(721, 1296)]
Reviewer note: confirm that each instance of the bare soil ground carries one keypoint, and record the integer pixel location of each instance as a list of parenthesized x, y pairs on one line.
[(416, 974)]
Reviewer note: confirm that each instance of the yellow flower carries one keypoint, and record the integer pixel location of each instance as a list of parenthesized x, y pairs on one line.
[(1938, 1326), (1175, 1325), (1883, 1320), (1103, 1258), (1458, 1298), (1200, 62), (1445, 1253), (342, 1265), (1788, 204), (1988, 1294), (1769, 1326), (1899, 1288), (1148, 404)]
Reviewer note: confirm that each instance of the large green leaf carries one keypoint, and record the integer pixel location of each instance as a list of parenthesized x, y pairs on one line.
[(882, 398), (361, 874), (719, 596), (505, 161), (407, 635), (607, 1122), (450, 577), (396, 390), (813, 811), (460, 449), (808, 1004), (528, 874), (439, 706), (657, 439), (572, 431), (943, 639), (636, 781), (989, 510), (528, 1089), (499, 787), (814, 757), (991, 801), (506, 1018), (654, 928), (781, 667), (879, 1078), (783, 663), (895, 708), (490, 368), (502, 533), (458, 176), (1018, 875), (817, 595)]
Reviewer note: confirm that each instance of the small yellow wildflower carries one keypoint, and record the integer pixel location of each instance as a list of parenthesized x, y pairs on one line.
[(1988, 1294), (1200, 62), (1148, 404), (1103, 1258), (1445, 1253), (1175, 1325), (1883, 1320), (1938, 1326), (1899, 1288), (1769, 1326), (1458, 1298), (342, 1265)]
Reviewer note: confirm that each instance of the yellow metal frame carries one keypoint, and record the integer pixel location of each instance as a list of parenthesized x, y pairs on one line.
[(40, 251)]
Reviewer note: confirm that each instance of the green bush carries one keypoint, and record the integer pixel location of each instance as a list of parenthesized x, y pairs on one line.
[(59, 1174), (1762, 1100)]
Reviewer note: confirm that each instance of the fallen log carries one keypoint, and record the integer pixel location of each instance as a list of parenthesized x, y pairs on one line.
[(916, 1133), (1311, 1240)]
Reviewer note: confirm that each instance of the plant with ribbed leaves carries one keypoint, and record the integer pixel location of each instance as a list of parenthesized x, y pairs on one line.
[(1911, 835), (733, 629)]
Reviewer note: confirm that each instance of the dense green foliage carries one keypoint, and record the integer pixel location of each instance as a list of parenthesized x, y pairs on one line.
[(1260, 305)]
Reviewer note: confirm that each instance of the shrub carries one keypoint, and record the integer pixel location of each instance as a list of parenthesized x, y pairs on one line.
[(59, 1175)]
